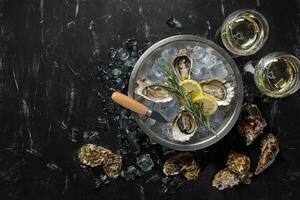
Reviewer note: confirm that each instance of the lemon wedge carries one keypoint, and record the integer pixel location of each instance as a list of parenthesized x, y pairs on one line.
[(191, 86), (210, 105)]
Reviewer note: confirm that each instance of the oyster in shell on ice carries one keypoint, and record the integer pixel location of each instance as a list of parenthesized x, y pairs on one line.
[(225, 179), (240, 165), (184, 125), (269, 151), (182, 65), (153, 92), (251, 122), (221, 90), (182, 162)]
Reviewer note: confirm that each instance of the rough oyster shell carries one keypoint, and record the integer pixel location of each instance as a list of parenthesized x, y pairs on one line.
[(225, 179), (113, 165), (182, 65), (182, 162), (251, 122), (153, 92), (184, 125), (222, 90), (269, 151), (93, 155), (240, 165)]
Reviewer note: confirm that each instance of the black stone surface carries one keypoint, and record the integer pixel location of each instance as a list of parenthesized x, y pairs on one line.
[(56, 79)]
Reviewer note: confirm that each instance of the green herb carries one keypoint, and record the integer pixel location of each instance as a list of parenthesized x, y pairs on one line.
[(197, 110)]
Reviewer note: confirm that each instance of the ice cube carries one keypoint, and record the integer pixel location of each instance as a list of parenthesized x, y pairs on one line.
[(209, 60), (197, 66), (169, 54), (130, 173), (145, 162), (219, 70), (157, 67), (122, 54), (116, 72), (166, 129), (198, 52)]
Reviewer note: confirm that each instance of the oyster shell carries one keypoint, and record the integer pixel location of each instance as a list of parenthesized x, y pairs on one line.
[(240, 165), (184, 125), (269, 151), (222, 90), (182, 162), (182, 65), (225, 179), (93, 155), (153, 92), (251, 122), (113, 165)]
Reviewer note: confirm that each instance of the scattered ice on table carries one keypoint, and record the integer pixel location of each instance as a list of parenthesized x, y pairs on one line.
[(172, 183), (169, 54), (249, 67), (130, 173), (172, 22), (145, 162), (122, 54), (116, 72)]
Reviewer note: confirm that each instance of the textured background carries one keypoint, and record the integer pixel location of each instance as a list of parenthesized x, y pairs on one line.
[(57, 71)]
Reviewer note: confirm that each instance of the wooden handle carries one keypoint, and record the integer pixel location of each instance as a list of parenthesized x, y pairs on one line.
[(129, 103)]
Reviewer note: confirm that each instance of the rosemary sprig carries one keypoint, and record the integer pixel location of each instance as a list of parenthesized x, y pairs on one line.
[(198, 111)]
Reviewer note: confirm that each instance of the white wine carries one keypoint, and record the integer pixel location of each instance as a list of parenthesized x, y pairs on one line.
[(244, 32), (277, 74)]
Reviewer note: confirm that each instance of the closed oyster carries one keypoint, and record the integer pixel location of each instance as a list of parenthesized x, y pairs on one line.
[(251, 122), (184, 125), (93, 155), (182, 162), (269, 151), (113, 165), (153, 92), (222, 90), (182, 65), (240, 165), (225, 179)]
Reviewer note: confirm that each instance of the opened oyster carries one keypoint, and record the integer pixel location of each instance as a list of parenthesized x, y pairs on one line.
[(182, 162), (153, 92), (93, 155), (225, 179), (269, 151), (222, 90), (240, 165), (182, 65), (251, 122), (237, 171), (184, 125)]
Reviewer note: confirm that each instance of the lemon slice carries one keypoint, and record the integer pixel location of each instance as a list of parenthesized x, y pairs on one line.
[(191, 86), (210, 105)]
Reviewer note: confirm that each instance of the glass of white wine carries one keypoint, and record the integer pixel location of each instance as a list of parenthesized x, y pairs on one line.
[(278, 74), (244, 32)]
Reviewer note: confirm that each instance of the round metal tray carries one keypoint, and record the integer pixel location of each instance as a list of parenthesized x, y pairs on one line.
[(184, 41)]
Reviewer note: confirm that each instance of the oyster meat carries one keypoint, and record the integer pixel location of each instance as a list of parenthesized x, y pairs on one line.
[(269, 151), (184, 125), (225, 179), (240, 165), (222, 90), (182, 162), (251, 122), (153, 92), (236, 172), (182, 65), (93, 155)]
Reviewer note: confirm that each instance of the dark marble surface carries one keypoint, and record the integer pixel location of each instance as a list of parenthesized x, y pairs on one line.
[(56, 76)]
